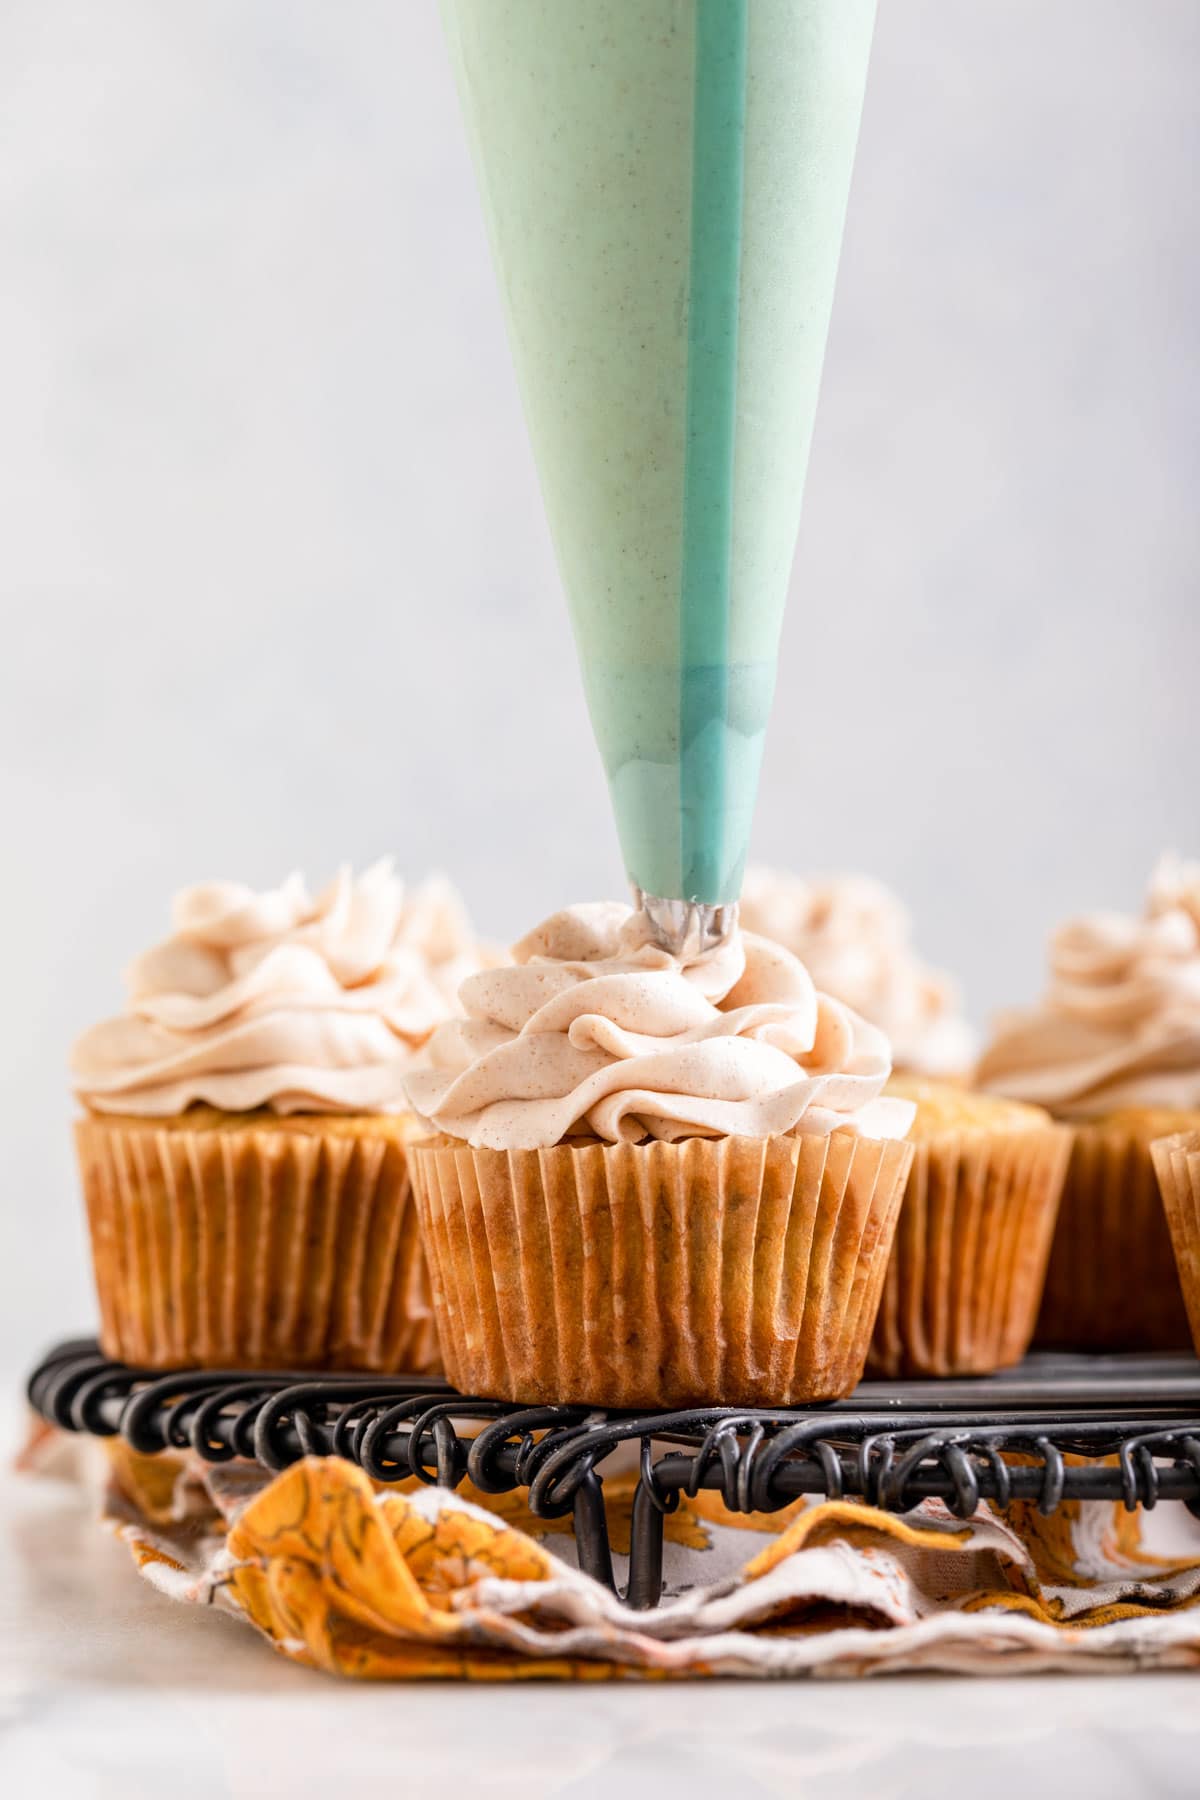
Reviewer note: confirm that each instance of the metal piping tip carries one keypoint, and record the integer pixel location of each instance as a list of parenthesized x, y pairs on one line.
[(687, 928)]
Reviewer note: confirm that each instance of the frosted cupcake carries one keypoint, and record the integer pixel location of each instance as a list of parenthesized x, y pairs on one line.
[(855, 939), (243, 1144), (657, 1181), (1114, 1049)]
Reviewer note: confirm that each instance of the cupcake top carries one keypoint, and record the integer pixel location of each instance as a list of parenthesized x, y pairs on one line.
[(280, 1000), (943, 1108), (595, 1028), (1119, 1025), (855, 938)]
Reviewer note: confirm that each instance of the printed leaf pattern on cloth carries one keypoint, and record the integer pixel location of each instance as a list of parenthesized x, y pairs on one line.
[(406, 1581)]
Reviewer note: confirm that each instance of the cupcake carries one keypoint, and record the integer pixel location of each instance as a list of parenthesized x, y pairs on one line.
[(969, 1260), (966, 1272), (1114, 1049), (1177, 1165), (855, 939), (656, 1181), (243, 1143)]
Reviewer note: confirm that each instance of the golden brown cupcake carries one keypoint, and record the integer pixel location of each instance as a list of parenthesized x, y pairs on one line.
[(243, 1144), (1113, 1050), (248, 1240), (855, 938), (965, 1278), (1177, 1165), (657, 1181)]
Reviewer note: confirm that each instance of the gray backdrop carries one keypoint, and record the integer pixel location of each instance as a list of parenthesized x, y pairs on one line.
[(276, 584)]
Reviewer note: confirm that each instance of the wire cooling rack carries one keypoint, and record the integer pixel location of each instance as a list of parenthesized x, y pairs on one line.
[(1123, 1428)]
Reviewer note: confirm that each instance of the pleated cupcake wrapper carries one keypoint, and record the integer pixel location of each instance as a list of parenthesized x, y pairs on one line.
[(659, 1275), (1177, 1166), (1112, 1283), (256, 1249), (969, 1259)]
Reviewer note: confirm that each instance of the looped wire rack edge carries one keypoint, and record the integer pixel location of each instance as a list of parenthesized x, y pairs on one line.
[(1122, 1428)]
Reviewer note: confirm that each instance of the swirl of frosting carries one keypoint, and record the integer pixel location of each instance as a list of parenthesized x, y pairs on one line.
[(1120, 1021), (595, 1028), (280, 1000), (855, 939), (1174, 886)]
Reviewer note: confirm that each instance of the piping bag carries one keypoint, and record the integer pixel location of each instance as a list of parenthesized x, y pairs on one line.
[(665, 186)]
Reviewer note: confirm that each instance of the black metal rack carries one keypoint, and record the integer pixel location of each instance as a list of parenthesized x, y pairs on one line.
[(1134, 1422)]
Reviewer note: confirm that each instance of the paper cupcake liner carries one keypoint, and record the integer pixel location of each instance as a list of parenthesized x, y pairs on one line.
[(271, 1247), (1112, 1283), (659, 1275), (961, 1292), (1177, 1166)]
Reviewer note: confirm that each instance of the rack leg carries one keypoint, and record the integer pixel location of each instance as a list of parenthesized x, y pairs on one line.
[(645, 1552), (591, 1531)]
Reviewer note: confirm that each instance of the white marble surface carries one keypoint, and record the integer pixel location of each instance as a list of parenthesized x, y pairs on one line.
[(108, 1689)]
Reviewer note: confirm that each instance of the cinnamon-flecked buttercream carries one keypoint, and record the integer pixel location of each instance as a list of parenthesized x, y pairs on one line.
[(1119, 1025), (855, 939), (596, 1028), (280, 1000)]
